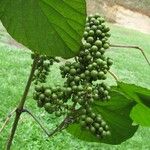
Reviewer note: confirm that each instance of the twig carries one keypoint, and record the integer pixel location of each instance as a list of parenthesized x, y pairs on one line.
[(21, 104), (76, 59), (60, 127), (135, 47), (114, 76), (27, 111), (7, 120)]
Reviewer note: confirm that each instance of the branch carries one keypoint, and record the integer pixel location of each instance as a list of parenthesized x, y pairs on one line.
[(7, 120), (38, 122), (21, 104), (60, 127), (114, 76), (76, 59), (134, 47)]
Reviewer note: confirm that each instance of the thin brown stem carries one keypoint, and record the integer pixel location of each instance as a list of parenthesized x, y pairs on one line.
[(21, 104), (133, 47), (60, 127), (64, 124), (37, 121), (7, 120), (113, 75)]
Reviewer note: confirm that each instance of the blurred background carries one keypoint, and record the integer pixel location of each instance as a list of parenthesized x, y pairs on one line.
[(133, 14)]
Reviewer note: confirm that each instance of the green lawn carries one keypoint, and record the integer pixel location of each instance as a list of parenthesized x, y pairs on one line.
[(129, 66)]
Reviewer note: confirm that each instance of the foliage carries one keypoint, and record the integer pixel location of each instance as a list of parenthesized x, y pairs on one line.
[(47, 27), (141, 111), (116, 114), (17, 62), (91, 109)]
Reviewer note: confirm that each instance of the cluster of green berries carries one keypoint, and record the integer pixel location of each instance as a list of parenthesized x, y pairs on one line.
[(51, 98), (42, 68), (80, 88), (95, 124)]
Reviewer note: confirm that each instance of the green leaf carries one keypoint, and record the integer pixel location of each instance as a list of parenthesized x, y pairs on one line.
[(51, 27), (141, 115), (141, 112), (134, 92), (116, 113)]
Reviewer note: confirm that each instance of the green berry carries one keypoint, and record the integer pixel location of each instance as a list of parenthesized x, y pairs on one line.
[(96, 125), (91, 33), (57, 113), (90, 39), (106, 46), (41, 96), (87, 45), (72, 71), (94, 48), (94, 73), (89, 120), (48, 92), (83, 123), (92, 129), (98, 43)]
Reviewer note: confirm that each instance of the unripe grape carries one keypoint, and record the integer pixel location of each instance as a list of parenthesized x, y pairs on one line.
[(94, 48), (87, 45), (91, 33), (85, 35), (83, 123), (106, 46), (89, 120), (90, 39), (48, 92), (98, 43), (94, 73), (92, 129), (72, 71), (96, 125), (41, 96)]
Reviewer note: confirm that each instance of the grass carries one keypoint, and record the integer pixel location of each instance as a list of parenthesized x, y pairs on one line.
[(15, 63)]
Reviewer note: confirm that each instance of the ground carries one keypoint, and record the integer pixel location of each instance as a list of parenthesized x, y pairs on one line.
[(129, 66), (133, 14)]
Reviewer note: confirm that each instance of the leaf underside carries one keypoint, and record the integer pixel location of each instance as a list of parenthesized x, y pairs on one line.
[(51, 27)]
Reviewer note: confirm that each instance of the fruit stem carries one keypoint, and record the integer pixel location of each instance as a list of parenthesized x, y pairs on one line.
[(21, 104), (37, 121), (133, 47)]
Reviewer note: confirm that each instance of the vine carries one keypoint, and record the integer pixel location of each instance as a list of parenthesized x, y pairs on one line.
[(88, 105)]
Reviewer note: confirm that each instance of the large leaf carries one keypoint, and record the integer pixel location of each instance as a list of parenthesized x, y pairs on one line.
[(134, 92), (116, 113), (52, 27), (141, 115), (141, 112)]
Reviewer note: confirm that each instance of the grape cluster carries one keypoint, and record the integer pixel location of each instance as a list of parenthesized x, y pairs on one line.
[(51, 98), (80, 88), (43, 68), (95, 124)]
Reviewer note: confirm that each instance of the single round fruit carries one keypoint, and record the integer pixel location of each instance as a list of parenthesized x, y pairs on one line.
[(94, 73), (106, 46), (72, 71), (94, 48), (90, 39), (89, 120), (92, 129), (48, 92), (98, 43)]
